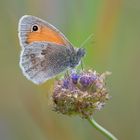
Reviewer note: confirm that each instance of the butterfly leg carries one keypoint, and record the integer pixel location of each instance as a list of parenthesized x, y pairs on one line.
[(82, 64)]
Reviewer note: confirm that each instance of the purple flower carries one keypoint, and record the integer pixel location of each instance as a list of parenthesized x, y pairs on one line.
[(66, 83), (75, 77), (87, 79), (80, 93)]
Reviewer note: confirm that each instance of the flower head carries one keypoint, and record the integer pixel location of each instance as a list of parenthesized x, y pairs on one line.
[(80, 93)]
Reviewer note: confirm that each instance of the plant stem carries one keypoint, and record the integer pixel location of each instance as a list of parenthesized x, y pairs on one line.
[(101, 129)]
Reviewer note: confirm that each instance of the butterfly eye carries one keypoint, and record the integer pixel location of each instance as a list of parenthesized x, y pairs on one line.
[(35, 28)]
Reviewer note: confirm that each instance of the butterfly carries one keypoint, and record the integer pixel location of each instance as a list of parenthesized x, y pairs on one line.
[(46, 52)]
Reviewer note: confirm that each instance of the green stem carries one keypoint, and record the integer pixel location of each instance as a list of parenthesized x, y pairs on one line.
[(101, 129)]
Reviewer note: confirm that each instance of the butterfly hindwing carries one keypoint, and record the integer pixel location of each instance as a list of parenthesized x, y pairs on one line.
[(41, 61)]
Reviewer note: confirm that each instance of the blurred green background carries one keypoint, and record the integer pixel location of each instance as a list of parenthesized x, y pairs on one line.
[(25, 112)]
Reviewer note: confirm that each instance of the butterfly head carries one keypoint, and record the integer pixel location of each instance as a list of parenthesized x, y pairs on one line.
[(76, 57)]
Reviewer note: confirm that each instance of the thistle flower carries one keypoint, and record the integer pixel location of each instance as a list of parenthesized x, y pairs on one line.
[(80, 93)]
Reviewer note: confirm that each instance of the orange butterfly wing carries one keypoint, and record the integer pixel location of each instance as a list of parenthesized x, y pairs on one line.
[(46, 32)]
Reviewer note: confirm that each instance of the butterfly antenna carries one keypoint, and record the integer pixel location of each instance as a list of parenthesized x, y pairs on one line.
[(91, 36)]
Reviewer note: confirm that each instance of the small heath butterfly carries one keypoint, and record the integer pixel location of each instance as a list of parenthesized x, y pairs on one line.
[(45, 52)]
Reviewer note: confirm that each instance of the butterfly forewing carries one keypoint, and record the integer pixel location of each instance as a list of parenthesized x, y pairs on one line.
[(33, 29)]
